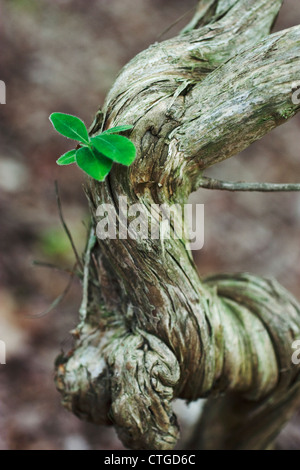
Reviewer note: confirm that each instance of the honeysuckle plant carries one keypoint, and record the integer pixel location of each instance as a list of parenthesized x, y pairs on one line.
[(95, 155), (151, 330)]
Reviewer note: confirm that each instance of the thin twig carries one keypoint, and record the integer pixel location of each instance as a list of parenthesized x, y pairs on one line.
[(165, 31), (211, 183), (43, 264), (86, 269), (79, 261), (58, 299)]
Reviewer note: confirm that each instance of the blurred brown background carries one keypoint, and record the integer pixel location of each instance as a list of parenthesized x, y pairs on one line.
[(63, 55)]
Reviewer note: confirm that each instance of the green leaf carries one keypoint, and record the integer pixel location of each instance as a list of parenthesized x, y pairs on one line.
[(67, 158), (116, 147), (115, 130), (70, 126), (93, 163)]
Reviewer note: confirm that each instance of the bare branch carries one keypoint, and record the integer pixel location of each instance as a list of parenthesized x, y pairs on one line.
[(211, 183), (239, 103)]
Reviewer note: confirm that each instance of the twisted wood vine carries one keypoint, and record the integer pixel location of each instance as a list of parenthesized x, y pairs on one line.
[(150, 330)]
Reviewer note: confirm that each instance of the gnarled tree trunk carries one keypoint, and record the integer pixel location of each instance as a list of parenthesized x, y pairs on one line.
[(150, 330)]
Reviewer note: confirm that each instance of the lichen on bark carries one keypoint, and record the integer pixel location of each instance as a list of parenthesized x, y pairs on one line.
[(150, 329)]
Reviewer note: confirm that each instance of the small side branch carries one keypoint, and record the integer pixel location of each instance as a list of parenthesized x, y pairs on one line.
[(86, 272), (211, 183), (79, 261)]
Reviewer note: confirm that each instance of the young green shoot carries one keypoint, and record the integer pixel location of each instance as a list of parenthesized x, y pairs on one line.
[(95, 155)]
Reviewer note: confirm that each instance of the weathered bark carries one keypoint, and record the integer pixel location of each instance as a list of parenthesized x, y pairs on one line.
[(150, 330)]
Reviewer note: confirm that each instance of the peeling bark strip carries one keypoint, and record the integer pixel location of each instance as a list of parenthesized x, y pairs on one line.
[(150, 330)]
